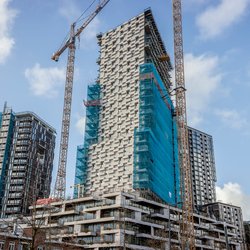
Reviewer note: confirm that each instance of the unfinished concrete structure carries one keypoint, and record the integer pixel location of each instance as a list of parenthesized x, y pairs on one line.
[(129, 221), (202, 162), (227, 213), (130, 135), (28, 163)]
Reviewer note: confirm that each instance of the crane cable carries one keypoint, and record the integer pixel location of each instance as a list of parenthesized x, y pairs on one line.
[(79, 19)]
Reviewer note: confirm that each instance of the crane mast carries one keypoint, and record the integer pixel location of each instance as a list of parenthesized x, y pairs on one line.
[(60, 184), (187, 223)]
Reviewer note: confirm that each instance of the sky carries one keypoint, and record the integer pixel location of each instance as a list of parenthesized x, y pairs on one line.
[(217, 72)]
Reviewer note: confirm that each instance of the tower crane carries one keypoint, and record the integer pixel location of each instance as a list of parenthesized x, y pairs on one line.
[(187, 223), (60, 185), (187, 226)]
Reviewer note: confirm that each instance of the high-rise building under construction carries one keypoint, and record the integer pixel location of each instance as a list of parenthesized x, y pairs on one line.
[(131, 144), (130, 135), (26, 160)]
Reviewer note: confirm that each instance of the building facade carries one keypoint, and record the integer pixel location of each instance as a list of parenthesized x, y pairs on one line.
[(122, 220), (230, 214), (29, 154), (202, 162), (130, 134), (7, 122), (247, 233), (12, 241)]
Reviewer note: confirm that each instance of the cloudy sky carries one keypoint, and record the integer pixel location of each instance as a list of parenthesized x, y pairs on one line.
[(217, 65)]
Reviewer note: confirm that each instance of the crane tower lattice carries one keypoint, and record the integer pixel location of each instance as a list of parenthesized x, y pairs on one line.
[(187, 223), (60, 185)]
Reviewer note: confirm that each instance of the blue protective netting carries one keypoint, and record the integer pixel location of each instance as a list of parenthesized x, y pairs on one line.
[(156, 165), (7, 152), (90, 137)]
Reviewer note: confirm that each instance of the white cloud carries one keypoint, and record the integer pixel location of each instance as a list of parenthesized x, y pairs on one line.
[(45, 81), (232, 193), (80, 124), (214, 20), (69, 10), (88, 37), (7, 16), (232, 118), (199, 2), (202, 80)]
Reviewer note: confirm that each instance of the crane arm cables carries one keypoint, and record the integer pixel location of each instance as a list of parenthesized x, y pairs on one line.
[(60, 185)]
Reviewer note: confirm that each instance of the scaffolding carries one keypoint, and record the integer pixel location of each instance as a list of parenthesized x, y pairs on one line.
[(92, 114), (91, 134), (156, 165)]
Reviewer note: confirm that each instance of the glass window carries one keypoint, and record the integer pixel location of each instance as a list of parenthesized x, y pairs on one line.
[(1, 245), (12, 246)]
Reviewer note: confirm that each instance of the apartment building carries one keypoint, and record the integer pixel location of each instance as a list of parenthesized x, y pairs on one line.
[(28, 148), (202, 162), (130, 136), (247, 233), (228, 213), (6, 134), (122, 220)]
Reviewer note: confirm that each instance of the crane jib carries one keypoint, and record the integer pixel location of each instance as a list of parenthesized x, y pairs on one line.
[(60, 185)]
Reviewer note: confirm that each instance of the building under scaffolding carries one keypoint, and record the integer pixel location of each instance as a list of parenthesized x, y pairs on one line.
[(90, 137), (129, 143), (127, 172), (155, 142)]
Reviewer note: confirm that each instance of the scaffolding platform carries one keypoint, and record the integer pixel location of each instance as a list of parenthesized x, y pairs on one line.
[(155, 140)]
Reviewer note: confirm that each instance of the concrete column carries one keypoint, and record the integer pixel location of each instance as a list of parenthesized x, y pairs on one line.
[(138, 216), (63, 207), (98, 214)]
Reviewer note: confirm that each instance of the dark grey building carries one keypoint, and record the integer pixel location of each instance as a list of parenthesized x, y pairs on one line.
[(228, 214), (247, 233), (201, 153), (27, 168)]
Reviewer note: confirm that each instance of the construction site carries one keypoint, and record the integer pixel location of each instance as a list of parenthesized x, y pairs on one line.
[(143, 178)]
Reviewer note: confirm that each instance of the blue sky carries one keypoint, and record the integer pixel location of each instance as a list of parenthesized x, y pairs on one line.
[(217, 65)]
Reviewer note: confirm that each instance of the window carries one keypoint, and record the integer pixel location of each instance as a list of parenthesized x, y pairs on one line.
[(12, 246), (1, 245)]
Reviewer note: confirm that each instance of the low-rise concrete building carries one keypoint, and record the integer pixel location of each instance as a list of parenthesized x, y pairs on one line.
[(227, 213), (131, 220)]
